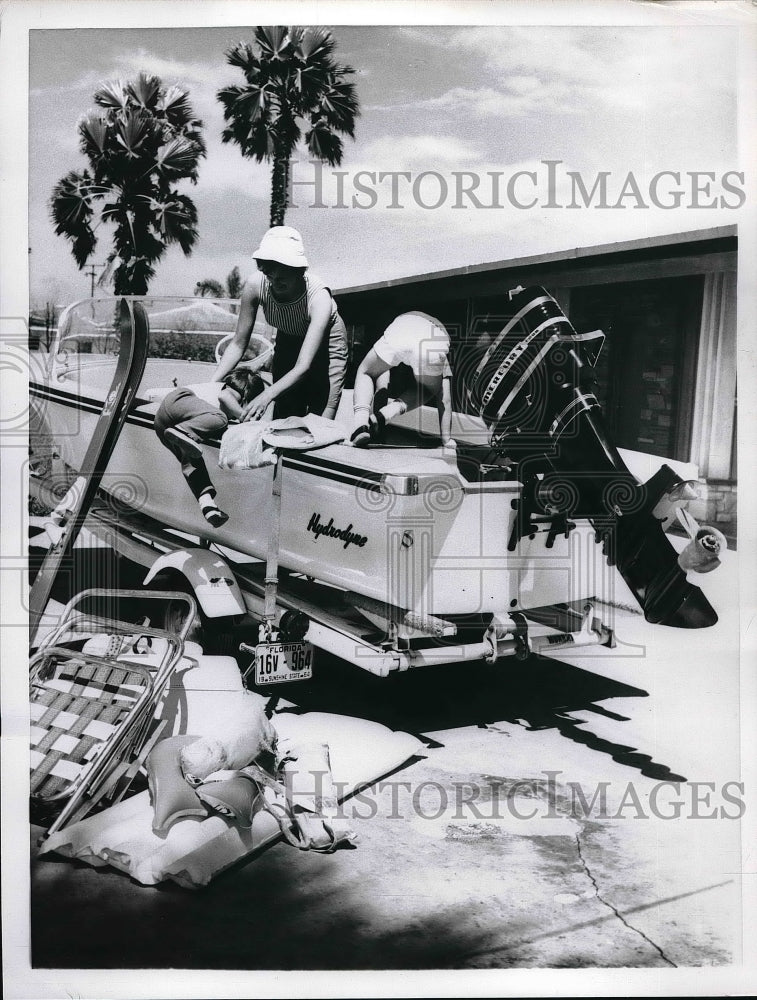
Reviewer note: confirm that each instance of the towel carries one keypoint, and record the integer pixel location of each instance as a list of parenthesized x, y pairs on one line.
[(254, 444)]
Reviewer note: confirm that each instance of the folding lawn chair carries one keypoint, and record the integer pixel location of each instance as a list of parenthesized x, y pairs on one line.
[(95, 686)]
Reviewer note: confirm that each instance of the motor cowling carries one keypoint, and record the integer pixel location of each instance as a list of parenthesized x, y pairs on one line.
[(534, 388)]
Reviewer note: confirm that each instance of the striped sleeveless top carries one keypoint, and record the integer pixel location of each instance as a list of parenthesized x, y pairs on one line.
[(293, 318)]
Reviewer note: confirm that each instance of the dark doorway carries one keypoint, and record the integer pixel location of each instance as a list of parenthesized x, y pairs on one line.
[(647, 368)]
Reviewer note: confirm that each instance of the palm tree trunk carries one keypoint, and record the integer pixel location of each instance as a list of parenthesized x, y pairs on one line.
[(279, 186)]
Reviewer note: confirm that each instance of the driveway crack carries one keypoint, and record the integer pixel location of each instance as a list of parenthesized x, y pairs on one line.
[(617, 913)]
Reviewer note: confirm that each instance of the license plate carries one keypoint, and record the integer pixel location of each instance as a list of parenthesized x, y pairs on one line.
[(278, 662)]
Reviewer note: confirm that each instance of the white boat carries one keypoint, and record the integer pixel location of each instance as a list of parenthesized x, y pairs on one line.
[(511, 527)]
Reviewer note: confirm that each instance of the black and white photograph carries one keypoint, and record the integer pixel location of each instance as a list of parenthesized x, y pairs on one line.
[(378, 498)]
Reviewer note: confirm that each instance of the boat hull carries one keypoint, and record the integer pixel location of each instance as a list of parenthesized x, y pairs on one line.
[(401, 526)]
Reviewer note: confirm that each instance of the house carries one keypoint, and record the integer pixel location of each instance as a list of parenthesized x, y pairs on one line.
[(667, 304)]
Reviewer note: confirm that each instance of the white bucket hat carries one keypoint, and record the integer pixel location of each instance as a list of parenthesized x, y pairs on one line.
[(284, 245)]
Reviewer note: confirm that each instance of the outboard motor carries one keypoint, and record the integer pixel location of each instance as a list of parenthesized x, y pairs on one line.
[(534, 389)]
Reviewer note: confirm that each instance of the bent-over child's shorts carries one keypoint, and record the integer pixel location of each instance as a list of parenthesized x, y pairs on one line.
[(417, 340)]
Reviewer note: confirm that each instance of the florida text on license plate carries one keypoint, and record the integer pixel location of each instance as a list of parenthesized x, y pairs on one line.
[(276, 662)]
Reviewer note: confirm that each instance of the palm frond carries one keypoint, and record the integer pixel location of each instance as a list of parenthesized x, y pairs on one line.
[(282, 124), (228, 97), (261, 140), (315, 44), (340, 106), (176, 221), (71, 202), (324, 143), (132, 131), (255, 141), (274, 41), (132, 276), (193, 134), (93, 129), (253, 103), (145, 90), (83, 245), (133, 235), (243, 57), (314, 78), (174, 103), (71, 211), (112, 94), (177, 158), (111, 211)]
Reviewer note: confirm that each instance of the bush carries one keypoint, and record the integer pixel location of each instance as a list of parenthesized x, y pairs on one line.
[(184, 344)]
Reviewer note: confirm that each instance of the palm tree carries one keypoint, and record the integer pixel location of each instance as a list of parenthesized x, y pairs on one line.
[(234, 283), (291, 81), (142, 140), (211, 287), (232, 290)]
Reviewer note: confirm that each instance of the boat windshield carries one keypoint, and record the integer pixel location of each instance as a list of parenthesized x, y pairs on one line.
[(186, 328)]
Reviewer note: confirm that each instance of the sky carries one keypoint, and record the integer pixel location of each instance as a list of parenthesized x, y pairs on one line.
[(437, 101)]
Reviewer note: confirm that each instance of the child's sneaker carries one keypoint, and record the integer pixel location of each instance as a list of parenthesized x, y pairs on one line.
[(210, 510)]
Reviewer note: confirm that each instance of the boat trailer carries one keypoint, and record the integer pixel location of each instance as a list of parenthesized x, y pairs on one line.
[(373, 635)]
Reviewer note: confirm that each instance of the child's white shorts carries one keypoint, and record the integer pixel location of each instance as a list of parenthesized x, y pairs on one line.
[(417, 340)]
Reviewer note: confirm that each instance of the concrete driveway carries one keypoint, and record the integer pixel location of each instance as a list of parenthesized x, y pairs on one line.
[(579, 813)]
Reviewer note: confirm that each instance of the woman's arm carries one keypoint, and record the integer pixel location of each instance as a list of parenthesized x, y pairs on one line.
[(320, 314), (444, 406), (248, 310)]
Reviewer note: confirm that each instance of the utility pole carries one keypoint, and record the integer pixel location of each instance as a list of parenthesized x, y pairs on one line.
[(91, 272)]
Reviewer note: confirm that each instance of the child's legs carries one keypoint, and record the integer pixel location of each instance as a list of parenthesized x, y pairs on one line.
[(383, 390), (371, 369), (182, 410), (410, 398)]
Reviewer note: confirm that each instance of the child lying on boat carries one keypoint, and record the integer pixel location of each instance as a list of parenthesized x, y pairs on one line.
[(202, 414), (422, 343)]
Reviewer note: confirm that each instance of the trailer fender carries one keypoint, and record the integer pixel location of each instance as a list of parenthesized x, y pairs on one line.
[(210, 578)]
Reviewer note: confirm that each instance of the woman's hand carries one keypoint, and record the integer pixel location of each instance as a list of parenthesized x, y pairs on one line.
[(257, 407)]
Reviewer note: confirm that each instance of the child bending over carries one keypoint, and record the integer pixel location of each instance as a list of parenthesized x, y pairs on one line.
[(200, 415), (422, 343)]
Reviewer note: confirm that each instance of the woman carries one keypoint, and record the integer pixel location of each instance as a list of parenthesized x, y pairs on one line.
[(310, 351)]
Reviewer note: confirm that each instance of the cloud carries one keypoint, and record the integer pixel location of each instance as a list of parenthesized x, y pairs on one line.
[(398, 152), (488, 102), (578, 70)]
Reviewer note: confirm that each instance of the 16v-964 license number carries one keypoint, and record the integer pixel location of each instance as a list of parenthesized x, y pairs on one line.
[(278, 662)]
